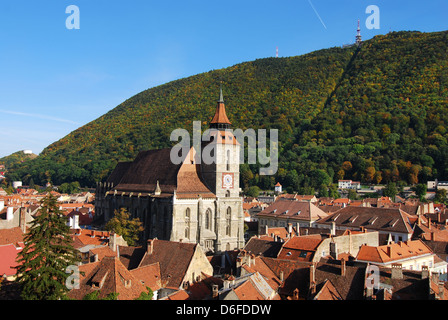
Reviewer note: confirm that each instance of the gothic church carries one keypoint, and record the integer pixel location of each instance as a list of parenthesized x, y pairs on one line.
[(193, 201)]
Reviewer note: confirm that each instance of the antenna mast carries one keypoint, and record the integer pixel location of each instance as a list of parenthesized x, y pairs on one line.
[(358, 35)]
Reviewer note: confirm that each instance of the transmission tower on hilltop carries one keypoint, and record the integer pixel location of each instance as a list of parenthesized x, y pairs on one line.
[(358, 36)]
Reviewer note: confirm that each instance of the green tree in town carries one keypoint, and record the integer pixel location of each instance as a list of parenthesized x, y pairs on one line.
[(94, 295), (440, 196), (420, 191), (390, 190), (146, 295), (253, 191), (128, 228), (47, 253)]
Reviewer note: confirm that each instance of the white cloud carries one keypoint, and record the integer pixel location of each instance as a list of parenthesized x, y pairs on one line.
[(38, 116)]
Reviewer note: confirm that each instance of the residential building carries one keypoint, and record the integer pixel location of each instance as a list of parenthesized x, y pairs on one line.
[(411, 255), (349, 184), (283, 212), (391, 223)]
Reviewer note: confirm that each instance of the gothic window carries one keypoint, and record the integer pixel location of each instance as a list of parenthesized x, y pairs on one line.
[(208, 217), (228, 160), (227, 193), (228, 221), (187, 223)]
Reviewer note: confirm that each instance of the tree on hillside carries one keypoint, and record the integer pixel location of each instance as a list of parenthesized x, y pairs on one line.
[(122, 224), (47, 253)]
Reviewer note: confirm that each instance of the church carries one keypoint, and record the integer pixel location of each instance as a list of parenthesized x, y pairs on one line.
[(193, 201)]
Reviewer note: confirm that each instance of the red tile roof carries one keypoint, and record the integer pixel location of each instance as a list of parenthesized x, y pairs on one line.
[(300, 248), (293, 210), (11, 236), (174, 259), (8, 254), (394, 251), (108, 276)]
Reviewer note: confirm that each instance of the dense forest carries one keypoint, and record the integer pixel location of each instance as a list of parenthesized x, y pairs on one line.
[(375, 114)]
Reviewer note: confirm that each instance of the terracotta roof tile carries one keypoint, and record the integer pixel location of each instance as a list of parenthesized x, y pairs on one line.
[(394, 251), (108, 276)]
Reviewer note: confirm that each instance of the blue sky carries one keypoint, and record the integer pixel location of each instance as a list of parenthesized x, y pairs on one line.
[(54, 80)]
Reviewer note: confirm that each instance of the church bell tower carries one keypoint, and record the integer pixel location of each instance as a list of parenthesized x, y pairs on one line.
[(222, 174)]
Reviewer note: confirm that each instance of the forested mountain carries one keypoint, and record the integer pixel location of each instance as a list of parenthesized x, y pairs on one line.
[(374, 114), (17, 157)]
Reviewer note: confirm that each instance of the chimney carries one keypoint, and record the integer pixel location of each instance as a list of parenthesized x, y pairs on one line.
[(290, 230), (429, 223), (9, 213), (252, 259), (333, 228), (313, 278), (113, 241), (441, 290), (281, 276), (150, 246), (397, 271), (22, 222), (215, 291), (425, 272), (76, 221), (389, 250), (266, 230), (343, 267)]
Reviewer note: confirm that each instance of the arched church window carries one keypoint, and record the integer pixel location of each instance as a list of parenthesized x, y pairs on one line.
[(228, 160), (208, 217), (228, 221), (228, 194), (187, 223)]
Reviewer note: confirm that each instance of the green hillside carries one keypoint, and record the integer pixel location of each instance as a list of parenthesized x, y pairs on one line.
[(16, 158), (376, 114)]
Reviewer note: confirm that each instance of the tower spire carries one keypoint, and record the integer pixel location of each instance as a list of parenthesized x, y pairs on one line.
[(221, 99), (220, 120)]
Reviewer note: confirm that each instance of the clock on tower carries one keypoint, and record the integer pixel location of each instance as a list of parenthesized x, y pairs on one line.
[(227, 180)]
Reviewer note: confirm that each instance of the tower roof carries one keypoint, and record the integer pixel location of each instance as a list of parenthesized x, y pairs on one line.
[(220, 120)]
